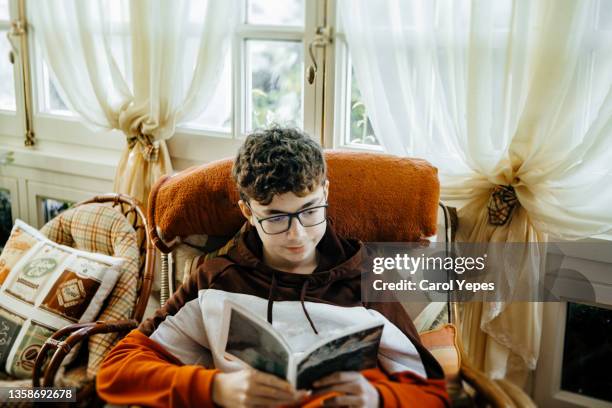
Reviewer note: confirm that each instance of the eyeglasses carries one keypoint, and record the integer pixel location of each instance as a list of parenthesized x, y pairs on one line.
[(277, 224)]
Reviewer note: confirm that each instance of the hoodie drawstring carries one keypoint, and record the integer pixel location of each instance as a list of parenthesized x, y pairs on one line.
[(302, 296), (271, 297)]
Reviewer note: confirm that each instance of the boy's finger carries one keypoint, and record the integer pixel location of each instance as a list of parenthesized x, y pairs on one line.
[(272, 381), (302, 393), (263, 390), (343, 401), (268, 402), (336, 378), (265, 402), (273, 402), (346, 388)]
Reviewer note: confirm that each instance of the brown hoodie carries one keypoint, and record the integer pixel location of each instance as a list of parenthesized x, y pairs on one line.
[(140, 371)]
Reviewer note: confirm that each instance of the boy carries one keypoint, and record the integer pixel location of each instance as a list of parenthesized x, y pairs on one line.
[(290, 255)]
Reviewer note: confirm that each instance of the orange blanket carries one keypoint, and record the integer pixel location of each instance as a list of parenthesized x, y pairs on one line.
[(140, 371)]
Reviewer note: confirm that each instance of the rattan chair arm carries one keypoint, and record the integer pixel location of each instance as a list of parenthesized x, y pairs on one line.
[(487, 390), (61, 345)]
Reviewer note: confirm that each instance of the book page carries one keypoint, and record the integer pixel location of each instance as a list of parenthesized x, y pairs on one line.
[(352, 352), (396, 351), (253, 344)]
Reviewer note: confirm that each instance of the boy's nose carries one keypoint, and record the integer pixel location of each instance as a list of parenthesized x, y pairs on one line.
[(296, 229)]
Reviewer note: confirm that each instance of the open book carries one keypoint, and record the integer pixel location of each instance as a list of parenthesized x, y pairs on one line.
[(254, 341)]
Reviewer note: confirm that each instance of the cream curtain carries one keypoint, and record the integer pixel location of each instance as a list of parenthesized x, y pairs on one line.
[(497, 94), (140, 66)]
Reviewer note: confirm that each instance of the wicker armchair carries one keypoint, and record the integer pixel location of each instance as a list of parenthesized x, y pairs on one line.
[(57, 347), (391, 199)]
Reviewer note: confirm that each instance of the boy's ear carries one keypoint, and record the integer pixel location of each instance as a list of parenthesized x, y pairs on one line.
[(245, 210)]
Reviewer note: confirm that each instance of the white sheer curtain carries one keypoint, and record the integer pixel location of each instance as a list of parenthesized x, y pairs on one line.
[(141, 66), (496, 93)]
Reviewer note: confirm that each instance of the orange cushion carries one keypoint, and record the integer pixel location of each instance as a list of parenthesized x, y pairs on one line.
[(373, 197)]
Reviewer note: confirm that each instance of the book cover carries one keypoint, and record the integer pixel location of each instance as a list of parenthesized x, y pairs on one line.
[(253, 341)]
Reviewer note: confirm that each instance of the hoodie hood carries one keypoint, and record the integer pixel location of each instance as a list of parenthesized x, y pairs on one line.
[(339, 265), (339, 258)]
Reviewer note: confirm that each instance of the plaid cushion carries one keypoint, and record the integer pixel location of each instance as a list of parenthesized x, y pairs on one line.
[(103, 229)]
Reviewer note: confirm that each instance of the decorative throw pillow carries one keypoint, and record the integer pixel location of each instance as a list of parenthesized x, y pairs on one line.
[(44, 287), (188, 259), (442, 343), (102, 229)]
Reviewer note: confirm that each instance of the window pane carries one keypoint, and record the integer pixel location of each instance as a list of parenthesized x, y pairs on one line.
[(361, 130), (7, 82), (218, 114), (55, 100), (587, 354), (4, 10), (605, 16), (6, 216), (276, 12), (52, 102), (51, 208), (275, 91)]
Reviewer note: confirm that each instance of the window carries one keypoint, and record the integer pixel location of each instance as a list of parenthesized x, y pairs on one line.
[(262, 76), (274, 83), (9, 207), (274, 91), (267, 81), (262, 81), (275, 12), (271, 50), (361, 131), (51, 208), (7, 78), (587, 354), (6, 216), (352, 126), (51, 101)]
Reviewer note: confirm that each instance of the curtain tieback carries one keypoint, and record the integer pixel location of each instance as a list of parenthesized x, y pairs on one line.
[(149, 149), (501, 204)]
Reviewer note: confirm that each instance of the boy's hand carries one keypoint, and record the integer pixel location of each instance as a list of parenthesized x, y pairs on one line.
[(358, 392), (252, 388)]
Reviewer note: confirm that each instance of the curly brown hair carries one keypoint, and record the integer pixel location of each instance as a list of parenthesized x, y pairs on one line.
[(277, 161)]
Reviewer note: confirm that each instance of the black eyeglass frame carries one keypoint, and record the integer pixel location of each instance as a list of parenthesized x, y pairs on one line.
[(291, 216)]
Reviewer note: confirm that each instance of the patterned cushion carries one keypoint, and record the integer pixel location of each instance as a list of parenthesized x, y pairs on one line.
[(103, 229), (18, 244), (443, 344), (189, 258), (49, 287)]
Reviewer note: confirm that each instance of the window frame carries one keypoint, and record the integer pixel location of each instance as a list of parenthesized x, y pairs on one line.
[(547, 387), (11, 122), (190, 144), (338, 91)]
